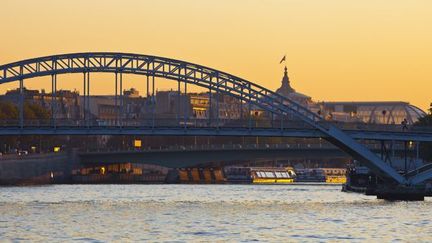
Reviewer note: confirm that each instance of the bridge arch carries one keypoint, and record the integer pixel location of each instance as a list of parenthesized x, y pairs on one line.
[(185, 72), (153, 66)]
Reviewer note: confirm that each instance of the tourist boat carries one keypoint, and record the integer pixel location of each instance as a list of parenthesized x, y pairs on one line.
[(310, 175), (321, 175), (259, 175)]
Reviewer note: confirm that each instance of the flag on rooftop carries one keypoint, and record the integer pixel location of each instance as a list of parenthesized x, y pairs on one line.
[(283, 59)]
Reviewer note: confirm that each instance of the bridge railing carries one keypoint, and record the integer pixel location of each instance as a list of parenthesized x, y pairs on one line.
[(156, 123), (148, 123), (383, 127), (205, 147), (254, 146)]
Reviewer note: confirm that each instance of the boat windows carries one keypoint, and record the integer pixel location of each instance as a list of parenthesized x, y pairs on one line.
[(269, 174), (279, 175)]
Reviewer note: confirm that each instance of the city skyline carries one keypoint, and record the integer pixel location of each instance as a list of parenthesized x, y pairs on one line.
[(379, 52), (214, 121)]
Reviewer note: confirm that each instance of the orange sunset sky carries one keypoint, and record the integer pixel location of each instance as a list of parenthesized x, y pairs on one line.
[(337, 50)]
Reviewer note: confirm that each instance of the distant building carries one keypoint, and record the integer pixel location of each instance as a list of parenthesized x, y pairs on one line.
[(380, 112), (169, 104), (102, 107), (200, 105), (287, 91), (107, 108), (222, 106), (226, 107)]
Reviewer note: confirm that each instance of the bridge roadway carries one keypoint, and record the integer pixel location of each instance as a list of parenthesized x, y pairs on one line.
[(205, 155), (388, 135)]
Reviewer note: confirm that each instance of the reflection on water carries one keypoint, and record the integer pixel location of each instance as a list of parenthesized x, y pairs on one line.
[(206, 213)]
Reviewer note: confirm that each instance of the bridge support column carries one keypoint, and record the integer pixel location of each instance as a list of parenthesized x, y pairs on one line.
[(241, 106), (148, 101), (249, 110), (86, 98), (217, 100), (153, 99), (385, 153), (115, 99), (210, 105), (53, 99), (178, 97), (21, 102), (185, 105), (121, 101)]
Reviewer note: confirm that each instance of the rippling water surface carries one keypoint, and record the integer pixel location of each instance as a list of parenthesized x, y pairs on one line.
[(206, 213)]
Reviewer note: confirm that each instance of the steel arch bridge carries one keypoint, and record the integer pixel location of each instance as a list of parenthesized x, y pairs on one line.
[(185, 73)]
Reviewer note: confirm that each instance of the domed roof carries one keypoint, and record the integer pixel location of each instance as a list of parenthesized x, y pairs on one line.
[(285, 88), (287, 91)]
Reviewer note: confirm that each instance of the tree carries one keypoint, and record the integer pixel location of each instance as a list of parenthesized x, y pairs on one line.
[(9, 114), (8, 111), (34, 111)]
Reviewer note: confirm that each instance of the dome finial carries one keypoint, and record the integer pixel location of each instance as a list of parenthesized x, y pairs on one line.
[(285, 88)]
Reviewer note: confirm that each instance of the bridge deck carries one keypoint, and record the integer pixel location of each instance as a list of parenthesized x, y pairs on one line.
[(211, 131)]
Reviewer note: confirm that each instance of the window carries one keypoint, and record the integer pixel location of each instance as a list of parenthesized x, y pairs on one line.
[(269, 174)]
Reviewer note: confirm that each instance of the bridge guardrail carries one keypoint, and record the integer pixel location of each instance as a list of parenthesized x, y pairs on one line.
[(205, 123), (206, 147)]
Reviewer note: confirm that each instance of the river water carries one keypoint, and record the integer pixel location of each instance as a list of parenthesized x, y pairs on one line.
[(154, 213)]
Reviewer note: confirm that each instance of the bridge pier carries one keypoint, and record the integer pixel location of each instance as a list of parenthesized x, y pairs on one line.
[(395, 196), (399, 192)]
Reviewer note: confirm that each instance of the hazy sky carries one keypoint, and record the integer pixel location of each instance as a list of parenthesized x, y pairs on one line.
[(336, 49)]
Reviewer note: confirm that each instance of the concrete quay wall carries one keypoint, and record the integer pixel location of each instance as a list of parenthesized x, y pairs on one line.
[(36, 168)]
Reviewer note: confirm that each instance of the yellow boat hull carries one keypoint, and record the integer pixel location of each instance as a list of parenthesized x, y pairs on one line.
[(336, 179), (271, 181)]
